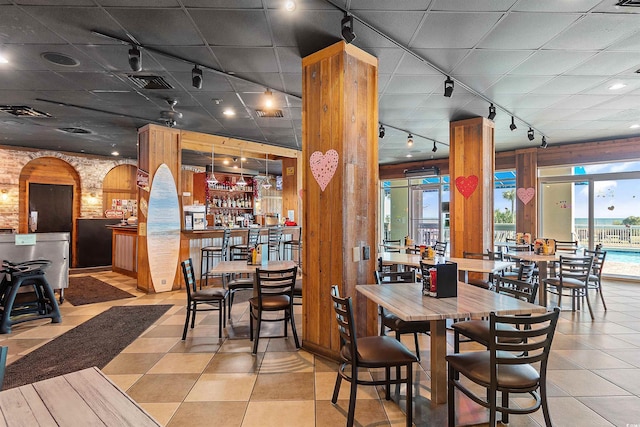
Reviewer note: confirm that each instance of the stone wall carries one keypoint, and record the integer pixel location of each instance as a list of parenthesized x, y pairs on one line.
[(91, 169)]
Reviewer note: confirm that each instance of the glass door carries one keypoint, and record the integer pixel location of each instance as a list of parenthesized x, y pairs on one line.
[(426, 208)]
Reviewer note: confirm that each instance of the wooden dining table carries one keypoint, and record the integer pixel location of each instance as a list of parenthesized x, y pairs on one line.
[(406, 301), (80, 398), (465, 265), (543, 267)]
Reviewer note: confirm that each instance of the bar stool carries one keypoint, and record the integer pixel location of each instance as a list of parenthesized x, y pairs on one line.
[(240, 252), (274, 241), (209, 254), (294, 245)]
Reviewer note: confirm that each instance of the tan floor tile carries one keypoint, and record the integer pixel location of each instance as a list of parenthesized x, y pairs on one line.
[(323, 364), (161, 412), (22, 346), (606, 408), (584, 383), (628, 379), (52, 330), (206, 414), (125, 381), (243, 345), (181, 363), (151, 345), (368, 413), (284, 386), (222, 387), (162, 388), (298, 361), (234, 363), (278, 414), (593, 359), (194, 344), (132, 363), (283, 344), (629, 356), (164, 331), (326, 381), (570, 412)]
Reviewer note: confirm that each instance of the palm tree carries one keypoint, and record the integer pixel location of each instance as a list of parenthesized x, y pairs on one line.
[(510, 195)]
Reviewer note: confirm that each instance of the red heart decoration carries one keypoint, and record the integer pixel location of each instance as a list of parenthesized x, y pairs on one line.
[(466, 185)]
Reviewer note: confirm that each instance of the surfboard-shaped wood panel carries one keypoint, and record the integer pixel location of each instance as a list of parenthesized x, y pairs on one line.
[(163, 229)]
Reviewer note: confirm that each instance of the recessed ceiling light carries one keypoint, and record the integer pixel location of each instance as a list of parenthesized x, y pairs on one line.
[(634, 126), (235, 166), (617, 86), (243, 159), (290, 5), (3, 59), (409, 155), (225, 162), (229, 112), (115, 153)]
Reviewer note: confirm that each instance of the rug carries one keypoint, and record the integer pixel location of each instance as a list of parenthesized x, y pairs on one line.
[(94, 343), (89, 290)]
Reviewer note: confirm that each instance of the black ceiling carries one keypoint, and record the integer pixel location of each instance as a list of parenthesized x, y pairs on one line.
[(550, 63)]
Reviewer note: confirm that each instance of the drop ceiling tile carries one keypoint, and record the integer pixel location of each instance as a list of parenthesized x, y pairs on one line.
[(400, 26), (591, 115), (622, 102), (33, 80), (388, 115), (413, 84), (289, 59), (607, 64), (438, 100), (293, 83), (17, 26), (522, 30), (232, 27), (631, 83), (445, 59), (631, 43), (409, 101), (479, 82), (582, 101), (442, 30), (581, 6), (551, 62), (530, 101), (410, 65), (224, 4), (481, 61), (246, 59), (200, 55), (416, 5), (114, 57), (388, 58), (475, 6), (568, 85), (516, 84), (308, 31), (595, 32)]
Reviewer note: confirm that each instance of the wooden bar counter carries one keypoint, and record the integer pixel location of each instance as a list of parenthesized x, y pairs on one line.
[(124, 249)]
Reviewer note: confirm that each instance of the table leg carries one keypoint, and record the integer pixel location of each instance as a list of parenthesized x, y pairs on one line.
[(543, 268), (438, 361)]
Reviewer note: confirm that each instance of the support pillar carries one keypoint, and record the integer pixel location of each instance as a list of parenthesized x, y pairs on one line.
[(527, 181), (339, 126), (471, 158)]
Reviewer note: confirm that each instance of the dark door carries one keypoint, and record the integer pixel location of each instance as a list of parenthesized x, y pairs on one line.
[(54, 207)]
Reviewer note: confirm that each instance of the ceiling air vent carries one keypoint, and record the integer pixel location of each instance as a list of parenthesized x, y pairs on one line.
[(149, 82), (420, 172), (629, 3), (75, 130), (269, 113), (60, 59), (22, 111)]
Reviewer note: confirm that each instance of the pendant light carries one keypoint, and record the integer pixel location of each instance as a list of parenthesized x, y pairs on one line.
[(242, 182), (267, 183), (212, 178)]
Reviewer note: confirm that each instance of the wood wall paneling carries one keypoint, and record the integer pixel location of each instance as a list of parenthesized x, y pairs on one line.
[(527, 177)]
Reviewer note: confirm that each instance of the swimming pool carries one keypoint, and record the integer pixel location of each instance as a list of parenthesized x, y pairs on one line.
[(623, 256)]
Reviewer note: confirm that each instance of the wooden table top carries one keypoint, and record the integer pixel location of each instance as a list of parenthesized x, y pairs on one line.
[(532, 256), (241, 267), (407, 302), (81, 398), (464, 264)]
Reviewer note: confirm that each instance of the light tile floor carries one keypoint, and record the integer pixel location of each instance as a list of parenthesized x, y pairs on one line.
[(594, 371)]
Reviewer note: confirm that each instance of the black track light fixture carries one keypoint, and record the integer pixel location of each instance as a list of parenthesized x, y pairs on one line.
[(135, 58), (347, 28), (531, 134), (513, 126), (196, 77), (448, 87), (544, 142), (409, 140), (492, 112), (381, 131), (435, 148)]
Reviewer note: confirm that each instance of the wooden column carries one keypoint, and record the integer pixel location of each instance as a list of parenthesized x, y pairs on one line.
[(156, 145), (526, 178), (471, 153), (340, 112), (290, 188)]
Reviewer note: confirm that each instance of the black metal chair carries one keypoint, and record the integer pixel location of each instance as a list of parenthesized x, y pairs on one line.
[(274, 241), (507, 367), (369, 352), (208, 254), (240, 251), (573, 276), (214, 298), (595, 277), (440, 248), (481, 282), (393, 322), (478, 330), (387, 243), (275, 293)]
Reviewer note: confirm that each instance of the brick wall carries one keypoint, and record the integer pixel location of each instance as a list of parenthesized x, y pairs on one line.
[(91, 169)]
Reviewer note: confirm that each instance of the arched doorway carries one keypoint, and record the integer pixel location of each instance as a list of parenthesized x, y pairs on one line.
[(50, 191)]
